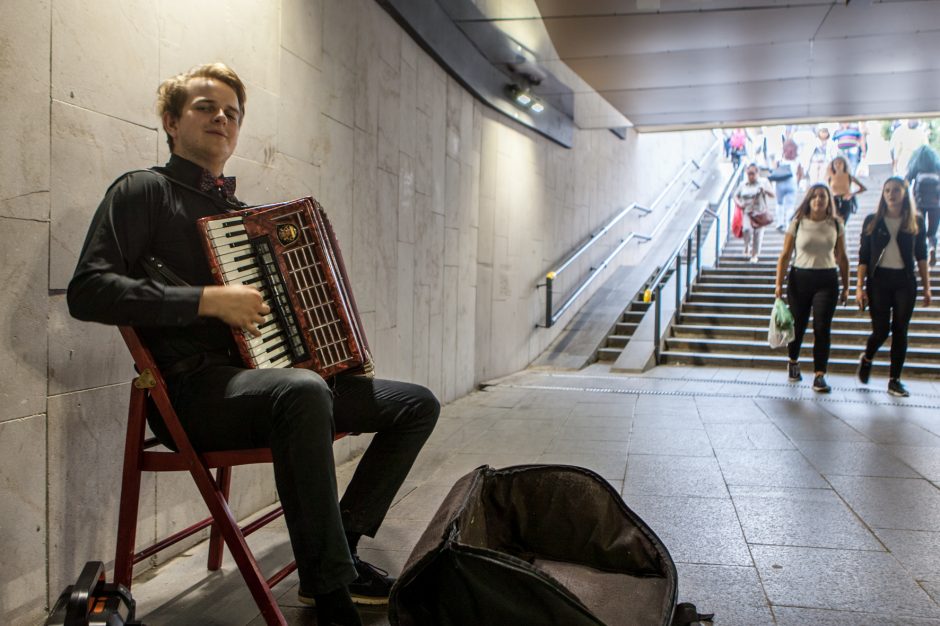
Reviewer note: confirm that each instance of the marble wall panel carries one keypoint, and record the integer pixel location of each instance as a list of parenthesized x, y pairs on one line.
[(407, 103), (340, 38), (452, 136), (83, 355), (420, 335), (178, 506), (386, 249), (452, 177), (23, 519), (449, 332), (367, 71), (466, 342), (436, 351), (244, 34), (86, 432), (258, 136), (23, 311), (424, 148), (293, 178), (104, 57), (483, 324), (302, 28), (337, 175), (389, 116), (438, 130), (299, 128), (363, 261), (406, 198), (405, 323), (389, 34), (24, 125), (89, 151), (339, 88)]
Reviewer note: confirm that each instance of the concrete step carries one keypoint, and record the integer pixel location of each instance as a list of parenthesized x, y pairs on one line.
[(764, 307), (779, 360), (845, 319), (856, 336), (915, 353)]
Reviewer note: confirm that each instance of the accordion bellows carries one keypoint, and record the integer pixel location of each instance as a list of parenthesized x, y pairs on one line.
[(535, 544)]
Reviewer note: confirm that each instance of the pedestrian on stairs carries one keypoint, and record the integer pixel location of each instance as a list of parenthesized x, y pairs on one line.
[(752, 195), (817, 235), (923, 174), (893, 251)]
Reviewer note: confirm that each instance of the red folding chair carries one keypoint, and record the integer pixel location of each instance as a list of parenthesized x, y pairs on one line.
[(139, 456)]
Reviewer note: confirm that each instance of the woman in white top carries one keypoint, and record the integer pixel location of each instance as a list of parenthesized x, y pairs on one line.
[(817, 235)]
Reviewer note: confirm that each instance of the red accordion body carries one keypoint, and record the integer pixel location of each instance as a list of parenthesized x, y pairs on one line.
[(289, 252)]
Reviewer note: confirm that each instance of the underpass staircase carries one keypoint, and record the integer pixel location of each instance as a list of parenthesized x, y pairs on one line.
[(724, 320)]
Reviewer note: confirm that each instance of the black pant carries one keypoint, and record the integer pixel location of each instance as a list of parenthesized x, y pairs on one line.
[(816, 292), (891, 291), (932, 217), (295, 412), (845, 208)]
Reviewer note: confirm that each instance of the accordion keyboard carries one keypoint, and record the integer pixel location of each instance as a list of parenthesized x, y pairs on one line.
[(238, 263)]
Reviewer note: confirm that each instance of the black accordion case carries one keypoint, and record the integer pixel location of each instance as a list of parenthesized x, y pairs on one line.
[(536, 544)]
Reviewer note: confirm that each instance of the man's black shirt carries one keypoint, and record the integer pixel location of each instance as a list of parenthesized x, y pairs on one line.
[(143, 213)]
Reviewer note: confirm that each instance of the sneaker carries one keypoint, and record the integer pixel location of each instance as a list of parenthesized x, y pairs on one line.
[(932, 261), (793, 372), (373, 584), (819, 384), (754, 259), (864, 370), (895, 388)]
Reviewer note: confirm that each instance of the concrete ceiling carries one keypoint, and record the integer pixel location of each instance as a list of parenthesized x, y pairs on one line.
[(666, 64)]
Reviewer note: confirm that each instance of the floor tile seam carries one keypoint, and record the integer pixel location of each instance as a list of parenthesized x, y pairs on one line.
[(679, 393), (809, 547)]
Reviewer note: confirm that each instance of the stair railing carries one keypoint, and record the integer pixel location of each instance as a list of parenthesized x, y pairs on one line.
[(552, 316), (693, 235)]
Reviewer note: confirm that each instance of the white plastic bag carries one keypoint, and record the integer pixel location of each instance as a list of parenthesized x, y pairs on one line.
[(780, 332)]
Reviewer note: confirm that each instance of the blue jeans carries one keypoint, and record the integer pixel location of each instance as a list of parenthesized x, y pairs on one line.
[(296, 413)]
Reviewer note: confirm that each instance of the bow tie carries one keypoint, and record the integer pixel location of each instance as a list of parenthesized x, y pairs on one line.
[(225, 185)]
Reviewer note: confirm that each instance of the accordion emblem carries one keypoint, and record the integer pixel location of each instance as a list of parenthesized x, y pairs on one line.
[(288, 251)]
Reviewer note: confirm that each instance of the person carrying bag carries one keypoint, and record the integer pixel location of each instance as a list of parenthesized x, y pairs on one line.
[(817, 236)]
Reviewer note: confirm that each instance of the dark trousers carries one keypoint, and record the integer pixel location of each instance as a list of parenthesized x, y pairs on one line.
[(891, 298), (932, 217), (845, 208), (296, 413), (816, 292)]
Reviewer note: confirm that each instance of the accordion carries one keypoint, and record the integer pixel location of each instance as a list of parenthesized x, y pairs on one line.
[(288, 251)]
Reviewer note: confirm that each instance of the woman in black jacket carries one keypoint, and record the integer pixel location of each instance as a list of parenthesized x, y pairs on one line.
[(893, 251)]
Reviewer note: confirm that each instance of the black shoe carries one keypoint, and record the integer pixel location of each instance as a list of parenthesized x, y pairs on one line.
[(819, 384), (793, 372), (864, 370), (333, 609), (372, 586), (895, 388)]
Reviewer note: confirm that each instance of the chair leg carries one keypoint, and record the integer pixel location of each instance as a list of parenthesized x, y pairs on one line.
[(130, 490), (223, 477), (237, 546)]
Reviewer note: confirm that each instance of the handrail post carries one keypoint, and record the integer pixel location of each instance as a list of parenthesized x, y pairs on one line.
[(698, 248), (688, 263), (678, 280), (717, 238), (657, 330), (549, 279)]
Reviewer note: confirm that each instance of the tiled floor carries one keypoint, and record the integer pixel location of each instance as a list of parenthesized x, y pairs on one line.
[(779, 506)]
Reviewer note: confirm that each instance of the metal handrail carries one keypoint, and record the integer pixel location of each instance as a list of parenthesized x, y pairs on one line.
[(550, 276), (676, 256)]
